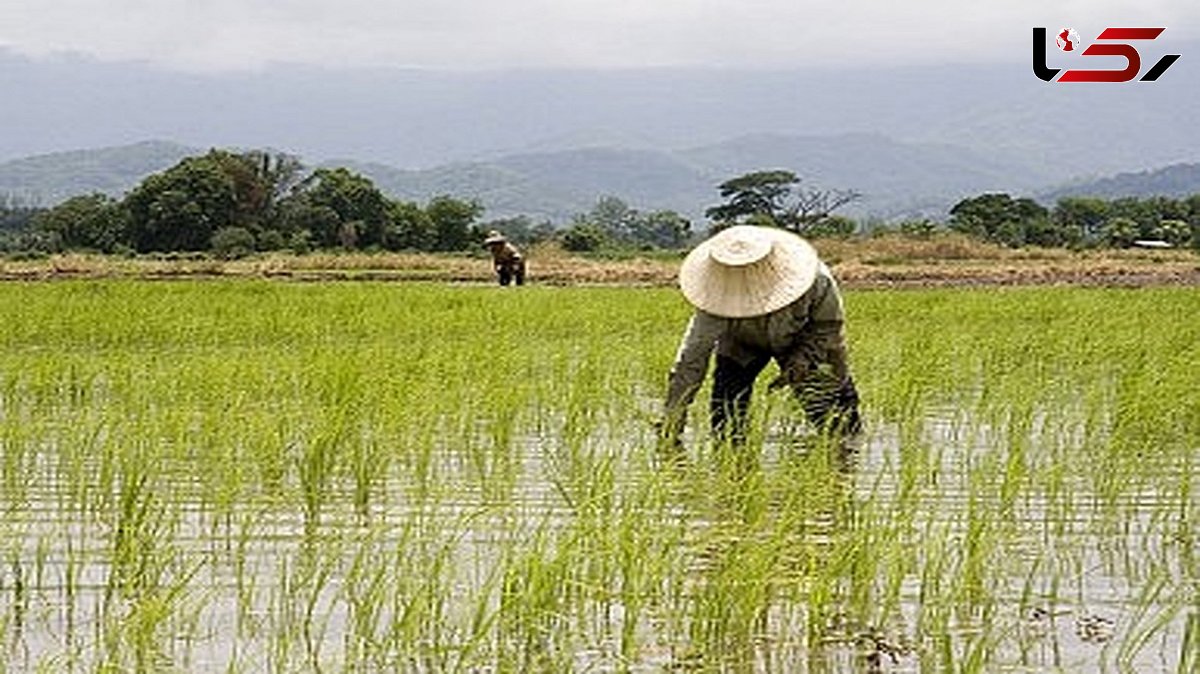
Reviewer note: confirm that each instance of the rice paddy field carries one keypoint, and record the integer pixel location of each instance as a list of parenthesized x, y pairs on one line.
[(246, 475)]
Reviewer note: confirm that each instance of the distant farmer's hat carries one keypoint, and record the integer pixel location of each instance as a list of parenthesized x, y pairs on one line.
[(494, 237), (747, 270)]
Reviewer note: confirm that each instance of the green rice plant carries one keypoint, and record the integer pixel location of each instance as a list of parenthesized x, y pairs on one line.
[(269, 476), (1159, 603), (365, 589), (1189, 647)]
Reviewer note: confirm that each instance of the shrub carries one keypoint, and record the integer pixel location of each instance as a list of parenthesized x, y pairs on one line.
[(582, 238), (834, 225), (271, 239), (230, 243), (300, 243), (1120, 231), (1175, 232), (923, 227)]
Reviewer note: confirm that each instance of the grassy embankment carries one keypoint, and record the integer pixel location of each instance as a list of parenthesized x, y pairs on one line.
[(889, 261)]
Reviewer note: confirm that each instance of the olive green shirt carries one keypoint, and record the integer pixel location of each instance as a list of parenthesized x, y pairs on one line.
[(505, 255), (801, 336)]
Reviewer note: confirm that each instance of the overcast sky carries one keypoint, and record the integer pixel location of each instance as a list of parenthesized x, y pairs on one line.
[(224, 35)]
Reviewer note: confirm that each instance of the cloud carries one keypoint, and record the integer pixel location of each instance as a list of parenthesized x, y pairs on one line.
[(474, 34)]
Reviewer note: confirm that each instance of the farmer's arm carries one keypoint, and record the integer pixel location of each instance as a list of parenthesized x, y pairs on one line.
[(826, 334), (820, 344), (691, 364)]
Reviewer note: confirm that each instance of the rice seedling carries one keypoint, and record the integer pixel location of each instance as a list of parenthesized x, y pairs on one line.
[(245, 475)]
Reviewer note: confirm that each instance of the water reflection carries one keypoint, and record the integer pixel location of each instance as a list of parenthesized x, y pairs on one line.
[(766, 517), (900, 552)]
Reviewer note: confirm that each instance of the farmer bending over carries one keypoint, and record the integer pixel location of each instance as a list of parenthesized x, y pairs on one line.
[(506, 259), (761, 294)]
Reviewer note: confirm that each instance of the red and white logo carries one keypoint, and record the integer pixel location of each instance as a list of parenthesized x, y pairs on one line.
[(1112, 41), (1068, 39)]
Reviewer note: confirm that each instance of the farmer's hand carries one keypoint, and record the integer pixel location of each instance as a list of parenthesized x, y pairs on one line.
[(791, 376), (806, 373), (668, 433), (664, 428)]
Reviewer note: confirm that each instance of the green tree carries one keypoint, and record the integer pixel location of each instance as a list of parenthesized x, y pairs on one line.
[(410, 228), (15, 214), (1167, 208), (180, 208), (1000, 218), (452, 219), (1140, 211), (95, 222), (362, 212), (518, 229), (663, 229), (762, 193), (1084, 215), (583, 237), (775, 198), (301, 221), (623, 225), (1120, 231), (543, 231), (1044, 231), (1193, 207), (615, 217), (261, 180), (1175, 232)]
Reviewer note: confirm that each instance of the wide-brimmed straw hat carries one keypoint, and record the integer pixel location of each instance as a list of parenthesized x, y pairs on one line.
[(747, 270), (494, 237)]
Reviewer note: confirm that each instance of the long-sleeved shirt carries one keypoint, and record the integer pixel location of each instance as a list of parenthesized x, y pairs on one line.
[(505, 255), (801, 336)]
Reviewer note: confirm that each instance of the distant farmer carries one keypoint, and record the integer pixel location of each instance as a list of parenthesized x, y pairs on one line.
[(761, 294), (506, 259)]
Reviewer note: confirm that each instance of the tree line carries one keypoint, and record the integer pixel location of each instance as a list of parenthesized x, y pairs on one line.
[(231, 204), (1079, 221), (776, 198)]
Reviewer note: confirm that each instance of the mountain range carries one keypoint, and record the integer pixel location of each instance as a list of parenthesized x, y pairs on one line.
[(44, 180), (423, 119), (1176, 181), (549, 143), (894, 178)]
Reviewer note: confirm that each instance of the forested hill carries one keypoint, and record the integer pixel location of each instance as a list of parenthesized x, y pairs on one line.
[(48, 179), (895, 178), (1176, 180)]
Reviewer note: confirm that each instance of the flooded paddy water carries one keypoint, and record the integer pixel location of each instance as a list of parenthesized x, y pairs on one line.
[(257, 476)]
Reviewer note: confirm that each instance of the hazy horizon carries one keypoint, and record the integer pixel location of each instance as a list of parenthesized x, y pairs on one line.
[(418, 118), (247, 35), (418, 86)]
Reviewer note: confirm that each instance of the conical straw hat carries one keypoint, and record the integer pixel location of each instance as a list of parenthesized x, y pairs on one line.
[(747, 270)]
